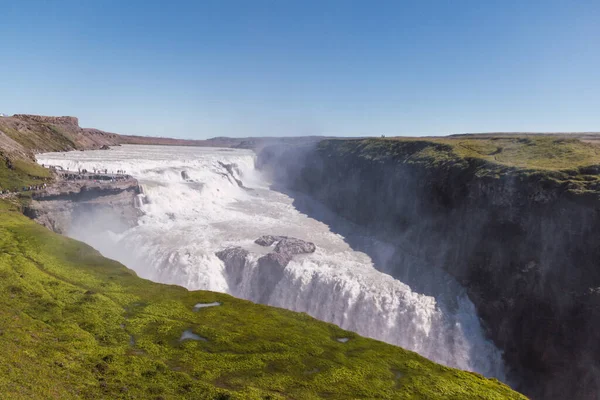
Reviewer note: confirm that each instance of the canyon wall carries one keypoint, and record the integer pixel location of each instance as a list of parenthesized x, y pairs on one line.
[(523, 243)]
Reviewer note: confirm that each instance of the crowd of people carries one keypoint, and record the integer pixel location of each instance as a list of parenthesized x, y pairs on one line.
[(97, 175), (29, 188)]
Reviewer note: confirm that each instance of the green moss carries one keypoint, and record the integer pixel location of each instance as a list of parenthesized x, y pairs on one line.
[(74, 324)]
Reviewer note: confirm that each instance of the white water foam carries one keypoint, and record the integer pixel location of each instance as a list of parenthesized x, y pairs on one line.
[(191, 215)]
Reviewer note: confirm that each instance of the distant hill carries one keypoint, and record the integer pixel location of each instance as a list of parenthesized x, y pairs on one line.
[(23, 135)]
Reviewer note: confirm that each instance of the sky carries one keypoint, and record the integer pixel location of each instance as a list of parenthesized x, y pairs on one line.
[(200, 69)]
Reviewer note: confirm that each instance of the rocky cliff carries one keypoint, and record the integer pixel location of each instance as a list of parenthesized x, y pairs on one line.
[(48, 120), (64, 204), (521, 239)]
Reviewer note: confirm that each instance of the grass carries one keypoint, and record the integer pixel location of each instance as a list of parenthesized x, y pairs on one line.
[(74, 324), (568, 163), (536, 152), (523, 152)]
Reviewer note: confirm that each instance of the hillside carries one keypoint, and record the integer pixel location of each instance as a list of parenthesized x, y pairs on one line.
[(77, 325), (34, 133), (21, 136)]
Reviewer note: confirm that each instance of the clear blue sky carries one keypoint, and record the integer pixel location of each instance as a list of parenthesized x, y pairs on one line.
[(198, 69)]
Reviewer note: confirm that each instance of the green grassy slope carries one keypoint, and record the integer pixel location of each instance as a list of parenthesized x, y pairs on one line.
[(74, 324)]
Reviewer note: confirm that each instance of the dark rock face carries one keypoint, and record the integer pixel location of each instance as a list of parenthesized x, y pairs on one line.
[(270, 267), (232, 173), (234, 259), (525, 248), (64, 203), (275, 261), (270, 270)]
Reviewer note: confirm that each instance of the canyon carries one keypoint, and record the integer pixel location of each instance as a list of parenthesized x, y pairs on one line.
[(522, 241), (205, 215), (475, 251)]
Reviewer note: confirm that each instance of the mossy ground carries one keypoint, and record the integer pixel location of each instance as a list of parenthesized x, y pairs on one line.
[(74, 324)]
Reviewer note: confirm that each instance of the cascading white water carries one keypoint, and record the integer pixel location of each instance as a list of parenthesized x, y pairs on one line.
[(197, 202)]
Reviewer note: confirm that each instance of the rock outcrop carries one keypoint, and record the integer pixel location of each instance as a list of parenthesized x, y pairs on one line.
[(293, 246), (232, 173), (285, 250), (235, 259), (524, 244), (270, 267), (64, 202)]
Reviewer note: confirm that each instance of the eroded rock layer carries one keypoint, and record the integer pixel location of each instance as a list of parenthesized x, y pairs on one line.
[(63, 202)]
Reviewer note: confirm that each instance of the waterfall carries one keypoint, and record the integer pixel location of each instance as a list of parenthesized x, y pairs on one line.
[(198, 201)]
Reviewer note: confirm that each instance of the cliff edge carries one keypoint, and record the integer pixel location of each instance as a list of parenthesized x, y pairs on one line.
[(515, 219)]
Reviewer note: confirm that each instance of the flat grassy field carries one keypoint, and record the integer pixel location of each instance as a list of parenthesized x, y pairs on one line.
[(566, 163), (74, 324), (535, 152)]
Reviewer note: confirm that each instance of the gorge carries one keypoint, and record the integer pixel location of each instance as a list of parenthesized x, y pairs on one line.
[(415, 245), (513, 219), (476, 251)]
